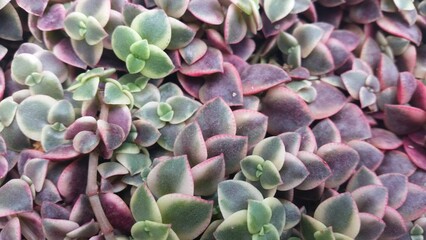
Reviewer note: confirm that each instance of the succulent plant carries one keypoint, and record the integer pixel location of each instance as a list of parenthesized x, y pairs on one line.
[(213, 119)]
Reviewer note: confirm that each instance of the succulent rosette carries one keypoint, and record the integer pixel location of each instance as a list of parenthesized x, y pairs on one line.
[(213, 119)]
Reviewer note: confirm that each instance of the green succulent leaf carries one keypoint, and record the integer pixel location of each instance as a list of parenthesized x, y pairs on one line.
[(114, 94), (154, 26), (144, 206), (134, 64), (270, 177), (52, 136), (250, 167), (61, 112), (122, 39), (258, 215), (45, 83), (182, 34), (140, 49), (268, 232), (272, 149), (277, 9), (189, 216), (234, 227), (24, 65), (150, 230), (405, 5), (165, 112), (309, 226), (95, 33), (149, 113), (173, 8), (183, 108), (87, 90), (308, 36), (8, 109), (75, 25), (286, 41), (89, 54), (278, 218), (326, 234), (158, 65), (99, 9)]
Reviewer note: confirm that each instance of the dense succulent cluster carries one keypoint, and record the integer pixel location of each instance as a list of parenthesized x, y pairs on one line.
[(213, 119)]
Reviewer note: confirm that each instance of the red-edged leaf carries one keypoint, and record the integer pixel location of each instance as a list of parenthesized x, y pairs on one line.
[(328, 102), (190, 142), (371, 199), (55, 211), (352, 123), (52, 19), (251, 124), (318, 169), (396, 162), (370, 156), (320, 61), (414, 205), (292, 141), (384, 139), (15, 197), (117, 212), (371, 227), (397, 185), (339, 52), (366, 12), (61, 153), (416, 152), (260, 77), (395, 225), (395, 25), (207, 175), (235, 27), (73, 179), (387, 72), (407, 85), (211, 62), (111, 134), (209, 11), (326, 132), (293, 173), (363, 177), (349, 39), (402, 119)]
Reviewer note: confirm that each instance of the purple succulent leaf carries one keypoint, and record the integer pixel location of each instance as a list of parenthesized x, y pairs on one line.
[(418, 137), (32, 222), (342, 161), (418, 177), (353, 81), (402, 119), (251, 124), (419, 96), (407, 85), (371, 199), (11, 28), (235, 27), (147, 134), (84, 231), (397, 185), (189, 216), (234, 195), (272, 149), (292, 214), (12, 230), (292, 142), (387, 72), (233, 148), (326, 132), (36, 170), (143, 205), (395, 225), (215, 117), (209, 11), (370, 156), (117, 212), (73, 179), (190, 142), (285, 110), (396, 162), (168, 135), (260, 77), (251, 102), (371, 227), (370, 52), (89, 54), (172, 175), (15, 197), (194, 51), (348, 223), (216, 40), (182, 34), (52, 19), (173, 8), (308, 142), (319, 61), (366, 12), (112, 135), (328, 102), (48, 193), (293, 173), (211, 62), (54, 211), (416, 153), (207, 175), (318, 169), (85, 141), (110, 169), (299, 73), (384, 139), (244, 49), (81, 212), (386, 97), (226, 85), (99, 9), (339, 52), (393, 24), (57, 228), (351, 123), (64, 52), (348, 38), (24, 156), (121, 116), (363, 177), (308, 36), (2, 78), (414, 205), (85, 123)]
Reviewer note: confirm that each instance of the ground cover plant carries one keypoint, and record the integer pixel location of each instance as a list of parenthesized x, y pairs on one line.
[(213, 119)]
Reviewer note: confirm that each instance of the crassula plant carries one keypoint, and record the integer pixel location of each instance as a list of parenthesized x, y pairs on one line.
[(213, 119)]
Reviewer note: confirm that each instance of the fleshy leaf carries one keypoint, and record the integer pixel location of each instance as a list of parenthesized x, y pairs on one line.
[(234, 195), (276, 10), (363, 177), (89, 54), (15, 197), (12, 230), (384, 139), (318, 169), (395, 25), (259, 77), (235, 28), (402, 119), (57, 228), (370, 156), (415, 203), (172, 175), (347, 222), (182, 34), (193, 51), (210, 62), (24, 65), (396, 162), (319, 61), (207, 175), (270, 177), (250, 167), (309, 226), (158, 65), (36, 170), (122, 38), (351, 123), (111, 134), (371, 227), (117, 212), (371, 199), (99, 9), (251, 124), (395, 226), (11, 28), (397, 185), (329, 100), (72, 181), (273, 149), (189, 216), (208, 11), (190, 142), (150, 230), (258, 215), (292, 173), (114, 95), (173, 8), (154, 26), (233, 227), (308, 36), (183, 108)]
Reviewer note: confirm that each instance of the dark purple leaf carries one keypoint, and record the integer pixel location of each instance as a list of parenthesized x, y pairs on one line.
[(318, 169), (111, 134), (349, 39), (396, 162), (384, 139), (121, 116), (117, 212), (207, 175), (352, 123), (193, 51), (416, 152), (363, 177), (52, 19), (244, 49), (387, 72), (81, 212), (326, 132), (402, 119), (328, 102), (226, 85), (397, 185), (61, 153), (49, 193), (371, 199), (12, 230), (190, 142), (299, 73), (370, 52), (419, 96), (342, 161), (209, 11), (191, 85), (237, 61), (57, 228), (293, 173), (320, 61), (407, 85), (251, 124), (394, 24), (367, 11), (211, 62), (371, 227), (15, 197), (338, 51), (260, 77), (54, 211), (36, 8), (64, 52), (285, 110), (215, 117), (370, 156), (308, 142), (216, 40), (292, 141), (72, 181), (147, 134), (414, 205), (233, 148)]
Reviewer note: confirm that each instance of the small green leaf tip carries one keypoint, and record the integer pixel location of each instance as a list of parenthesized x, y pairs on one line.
[(165, 112), (134, 64), (140, 49)]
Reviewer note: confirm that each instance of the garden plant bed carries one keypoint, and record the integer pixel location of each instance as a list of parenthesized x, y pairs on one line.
[(213, 119)]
